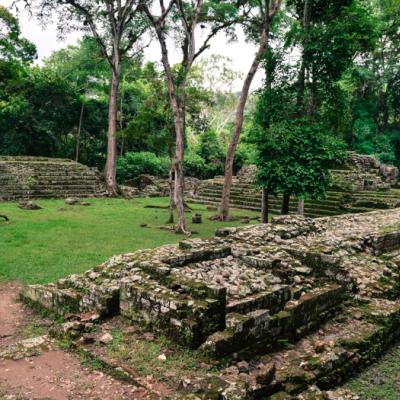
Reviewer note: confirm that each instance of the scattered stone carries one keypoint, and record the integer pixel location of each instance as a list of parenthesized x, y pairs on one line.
[(106, 338), (29, 205), (243, 366), (71, 201), (87, 339)]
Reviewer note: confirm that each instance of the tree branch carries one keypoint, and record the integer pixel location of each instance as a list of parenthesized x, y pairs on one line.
[(89, 19)]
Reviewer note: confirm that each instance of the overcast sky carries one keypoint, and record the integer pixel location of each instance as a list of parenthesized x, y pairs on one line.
[(46, 41)]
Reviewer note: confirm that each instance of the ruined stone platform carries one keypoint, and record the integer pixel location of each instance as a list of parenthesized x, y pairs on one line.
[(41, 177), (292, 305), (360, 184)]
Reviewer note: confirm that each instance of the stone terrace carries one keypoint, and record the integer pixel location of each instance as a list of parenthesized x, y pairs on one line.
[(41, 177), (361, 184), (290, 305)]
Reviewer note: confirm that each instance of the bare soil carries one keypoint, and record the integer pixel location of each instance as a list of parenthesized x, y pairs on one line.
[(53, 374), (11, 313)]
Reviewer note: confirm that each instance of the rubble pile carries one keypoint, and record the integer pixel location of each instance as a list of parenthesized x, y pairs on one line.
[(294, 307)]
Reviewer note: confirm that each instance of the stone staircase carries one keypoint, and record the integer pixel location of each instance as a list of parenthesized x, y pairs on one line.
[(40, 177), (247, 196)]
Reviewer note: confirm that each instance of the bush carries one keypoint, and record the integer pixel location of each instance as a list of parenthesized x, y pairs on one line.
[(132, 165), (243, 156), (195, 165), (209, 147)]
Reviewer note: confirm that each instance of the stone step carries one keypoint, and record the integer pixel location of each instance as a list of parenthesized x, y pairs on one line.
[(262, 331), (273, 202), (273, 209), (341, 348), (49, 190), (243, 186), (240, 194), (331, 195), (42, 177)]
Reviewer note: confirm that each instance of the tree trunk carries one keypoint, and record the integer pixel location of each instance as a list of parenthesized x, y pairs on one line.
[(177, 106), (179, 174), (224, 207), (285, 204), (171, 192), (264, 206), (78, 135), (302, 72), (111, 168), (300, 207)]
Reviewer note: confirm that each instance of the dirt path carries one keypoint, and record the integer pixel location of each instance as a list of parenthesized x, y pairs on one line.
[(11, 313), (49, 373)]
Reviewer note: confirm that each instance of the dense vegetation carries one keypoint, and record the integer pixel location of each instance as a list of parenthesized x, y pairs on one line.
[(331, 68)]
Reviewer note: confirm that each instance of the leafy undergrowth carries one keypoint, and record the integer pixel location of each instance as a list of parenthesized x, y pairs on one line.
[(44, 245), (381, 381)]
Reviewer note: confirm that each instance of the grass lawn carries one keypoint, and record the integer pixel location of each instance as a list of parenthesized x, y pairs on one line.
[(381, 381), (44, 245)]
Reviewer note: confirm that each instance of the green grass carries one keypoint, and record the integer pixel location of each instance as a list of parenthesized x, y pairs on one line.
[(44, 245), (381, 381)]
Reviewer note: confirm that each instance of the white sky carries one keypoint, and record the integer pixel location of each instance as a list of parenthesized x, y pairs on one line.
[(46, 41)]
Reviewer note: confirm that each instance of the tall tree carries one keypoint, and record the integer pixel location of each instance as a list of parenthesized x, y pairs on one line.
[(182, 19), (12, 45), (117, 27), (260, 24)]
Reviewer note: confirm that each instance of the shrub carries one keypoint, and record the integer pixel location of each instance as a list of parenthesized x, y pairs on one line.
[(242, 157), (133, 164), (209, 147), (195, 165)]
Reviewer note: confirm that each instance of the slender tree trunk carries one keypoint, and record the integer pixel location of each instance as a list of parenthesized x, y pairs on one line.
[(121, 152), (179, 174), (111, 169), (78, 134), (300, 207), (171, 191), (264, 206), (224, 207), (302, 72), (179, 125), (121, 123), (285, 203)]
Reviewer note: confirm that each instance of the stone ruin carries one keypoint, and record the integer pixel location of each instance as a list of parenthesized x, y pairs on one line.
[(41, 177), (364, 173), (293, 308), (361, 184)]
